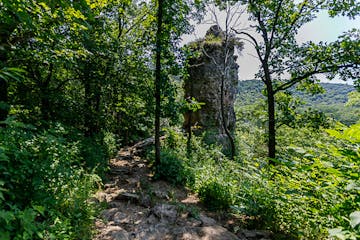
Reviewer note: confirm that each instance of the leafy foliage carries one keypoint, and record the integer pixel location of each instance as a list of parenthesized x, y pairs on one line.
[(284, 62), (173, 169), (41, 175), (215, 196), (308, 194)]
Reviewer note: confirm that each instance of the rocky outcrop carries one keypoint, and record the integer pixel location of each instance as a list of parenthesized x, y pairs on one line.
[(212, 63)]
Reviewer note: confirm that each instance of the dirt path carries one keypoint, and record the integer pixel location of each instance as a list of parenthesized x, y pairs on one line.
[(138, 208)]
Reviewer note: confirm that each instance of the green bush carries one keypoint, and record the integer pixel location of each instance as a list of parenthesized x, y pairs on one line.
[(349, 209), (312, 188), (110, 144), (212, 174), (43, 185), (215, 196), (173, 169)]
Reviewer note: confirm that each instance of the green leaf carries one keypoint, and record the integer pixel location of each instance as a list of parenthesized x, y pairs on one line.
[(355, 219), (8, 74), (353, 186), (4, 235), (3, 158), (40, 209), (338, 233), (7, 216)]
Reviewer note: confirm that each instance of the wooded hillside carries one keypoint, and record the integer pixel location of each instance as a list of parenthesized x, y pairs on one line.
[(332, 101)]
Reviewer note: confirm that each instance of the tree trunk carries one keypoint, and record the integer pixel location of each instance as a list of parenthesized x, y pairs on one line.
[(45, 105), (188, 144), (158, 82), (271, 122), (92, 100), (227, 132), (88, 109), (4, 108), (5, 33)]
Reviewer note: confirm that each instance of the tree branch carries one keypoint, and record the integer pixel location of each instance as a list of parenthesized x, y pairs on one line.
[(255, 43), (275, 23), (328, 69)]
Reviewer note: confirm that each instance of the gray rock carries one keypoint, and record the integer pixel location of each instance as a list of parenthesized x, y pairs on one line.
[(120, 235), (145, 200), (217, 233), (204, 84), (255, 234), (161, 194), (203, 233), (114, 233), (121, 218), (114, 204), (108, 214), (165, 212), (207, 221), (152, 219), (126, 196)]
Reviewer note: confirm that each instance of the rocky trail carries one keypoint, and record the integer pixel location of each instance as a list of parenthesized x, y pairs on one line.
[(142, 209)]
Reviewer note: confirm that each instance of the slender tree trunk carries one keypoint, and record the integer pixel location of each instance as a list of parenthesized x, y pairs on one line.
[(227, 132), (5, 32), (158, 81), (188, 144), (45, 105), (92, 102), (222, 91), (4, 109), (88, 112), (271, 122)]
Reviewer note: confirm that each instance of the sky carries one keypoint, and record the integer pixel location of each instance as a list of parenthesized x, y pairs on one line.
[(323, 28)]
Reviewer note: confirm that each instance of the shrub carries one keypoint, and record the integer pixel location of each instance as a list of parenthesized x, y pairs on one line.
[(43, 185), (173, 169), (215, 196)]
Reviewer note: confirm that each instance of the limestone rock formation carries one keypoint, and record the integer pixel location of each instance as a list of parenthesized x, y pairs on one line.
[(214, 60)]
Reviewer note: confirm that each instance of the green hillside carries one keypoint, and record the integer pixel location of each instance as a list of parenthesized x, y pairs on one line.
[(331, 102)]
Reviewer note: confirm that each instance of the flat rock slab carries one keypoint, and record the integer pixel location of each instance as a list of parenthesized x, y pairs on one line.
[(163, 232), (114, 233), (255, 234), (166, 212)]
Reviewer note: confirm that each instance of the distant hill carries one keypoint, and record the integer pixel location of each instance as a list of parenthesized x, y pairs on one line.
[(331, 102)]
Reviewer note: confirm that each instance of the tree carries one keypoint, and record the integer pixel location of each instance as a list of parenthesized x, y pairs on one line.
[(37, 40), (228, 43), (284, 62), (159, 44), (7, 75), (172, 20), (11, 15), (131, 99)]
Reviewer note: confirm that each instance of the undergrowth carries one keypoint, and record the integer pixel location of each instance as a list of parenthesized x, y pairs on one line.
[(46, 179), (311, 193)]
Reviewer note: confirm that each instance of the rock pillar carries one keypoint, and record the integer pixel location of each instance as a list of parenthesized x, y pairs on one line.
[(212, 63)]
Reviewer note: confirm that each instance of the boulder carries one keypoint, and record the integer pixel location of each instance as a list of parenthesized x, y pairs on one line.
[(165, 212)]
